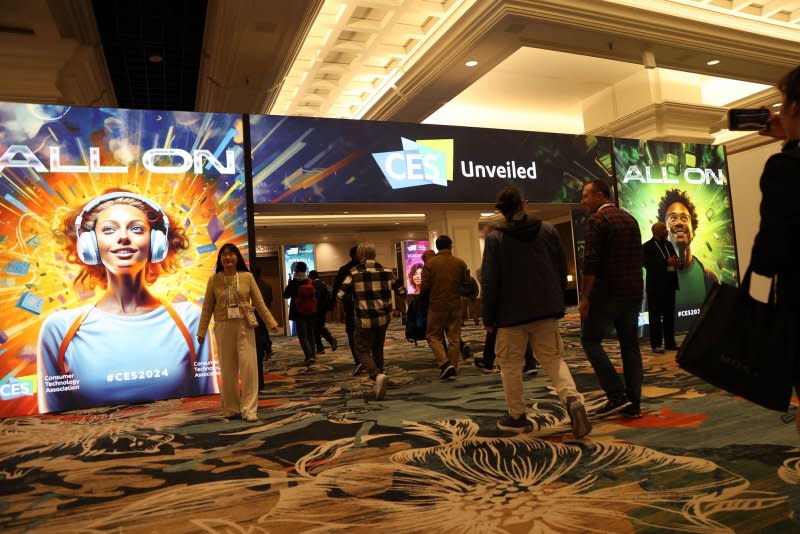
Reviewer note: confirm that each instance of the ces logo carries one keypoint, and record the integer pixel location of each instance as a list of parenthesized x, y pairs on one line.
[(12, 388), (422, 162)]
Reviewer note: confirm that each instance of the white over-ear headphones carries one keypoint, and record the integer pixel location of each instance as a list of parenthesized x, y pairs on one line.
[(89, 253)]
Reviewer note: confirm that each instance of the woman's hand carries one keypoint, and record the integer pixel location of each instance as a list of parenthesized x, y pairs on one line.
[(274, 329), (774, 128), (200, 339)]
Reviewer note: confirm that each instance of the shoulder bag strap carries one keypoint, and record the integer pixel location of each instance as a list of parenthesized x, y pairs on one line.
[(62, 349), (185, 331)]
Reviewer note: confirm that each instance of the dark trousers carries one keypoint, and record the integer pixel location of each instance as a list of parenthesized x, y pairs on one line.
[(263, 350), (661, 308), (489, 355), (306, 328), (350, 328), (369, 346), (624, 317), (322, 332)]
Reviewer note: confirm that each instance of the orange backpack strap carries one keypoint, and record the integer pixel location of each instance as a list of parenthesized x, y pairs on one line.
[(62, 349), (184, 331), (73, 329)]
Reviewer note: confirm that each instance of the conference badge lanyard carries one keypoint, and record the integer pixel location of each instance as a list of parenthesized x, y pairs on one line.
[(665, 254), (232, 301)]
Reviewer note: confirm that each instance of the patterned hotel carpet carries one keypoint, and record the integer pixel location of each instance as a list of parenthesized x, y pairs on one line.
[(326, 458)]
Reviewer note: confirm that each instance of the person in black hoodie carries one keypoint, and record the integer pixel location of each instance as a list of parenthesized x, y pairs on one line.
[(323, 297), (523, 276), (775, 249), (348, 307)]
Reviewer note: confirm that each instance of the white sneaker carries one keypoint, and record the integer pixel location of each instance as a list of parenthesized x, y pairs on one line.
[(380, 386)]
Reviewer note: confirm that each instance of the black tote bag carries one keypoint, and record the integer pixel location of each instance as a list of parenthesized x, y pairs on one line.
[(743, 346)]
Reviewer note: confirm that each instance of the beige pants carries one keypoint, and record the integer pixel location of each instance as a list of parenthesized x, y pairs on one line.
[(236, 347), (548, 347), (443, 324)]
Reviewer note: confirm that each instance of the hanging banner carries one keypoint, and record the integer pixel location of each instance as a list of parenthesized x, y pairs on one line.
[(111, 223), (685, 186), (310, 160)]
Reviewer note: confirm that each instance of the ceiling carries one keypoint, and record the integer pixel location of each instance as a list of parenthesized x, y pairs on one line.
[(550, 97), (153, 62), (382, 59)]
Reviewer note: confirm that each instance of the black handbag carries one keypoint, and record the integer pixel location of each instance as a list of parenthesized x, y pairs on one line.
[(417, 318), (743, 346)]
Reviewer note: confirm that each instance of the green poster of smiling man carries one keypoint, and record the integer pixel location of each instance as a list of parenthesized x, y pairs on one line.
[(685, 186)]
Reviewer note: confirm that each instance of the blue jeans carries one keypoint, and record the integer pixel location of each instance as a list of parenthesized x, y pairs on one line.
[(624, 317)]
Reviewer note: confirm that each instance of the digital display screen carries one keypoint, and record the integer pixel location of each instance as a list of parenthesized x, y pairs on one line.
[(685, 186), (312, 160), (111, 224), (412, 264)]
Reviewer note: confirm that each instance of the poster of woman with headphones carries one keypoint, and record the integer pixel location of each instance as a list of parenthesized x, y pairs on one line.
[(110, 221), (122, 242)]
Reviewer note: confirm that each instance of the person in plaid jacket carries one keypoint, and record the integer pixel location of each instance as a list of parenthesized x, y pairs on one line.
[(611, 294), (371, 287)]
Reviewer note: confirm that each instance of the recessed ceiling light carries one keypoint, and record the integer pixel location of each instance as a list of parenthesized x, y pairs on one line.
[(487, 214), (345, 212), (777, 105), (155, 58), (471, 63), (712, 62)]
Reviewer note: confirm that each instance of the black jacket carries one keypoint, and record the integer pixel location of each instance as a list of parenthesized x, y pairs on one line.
[(776, 249), (659, 278), (523, 274), (347, 302), (323, 295)]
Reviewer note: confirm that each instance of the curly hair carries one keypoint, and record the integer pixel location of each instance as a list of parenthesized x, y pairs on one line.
[(671, 197), (91, 276), (414, 268)]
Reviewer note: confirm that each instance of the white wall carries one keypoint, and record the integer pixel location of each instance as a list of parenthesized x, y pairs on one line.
[(745, 170)]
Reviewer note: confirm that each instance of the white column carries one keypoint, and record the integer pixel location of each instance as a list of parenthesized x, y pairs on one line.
[(462, 227)]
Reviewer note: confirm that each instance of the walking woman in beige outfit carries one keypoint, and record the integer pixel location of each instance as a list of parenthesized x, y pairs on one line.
[(236, 342)]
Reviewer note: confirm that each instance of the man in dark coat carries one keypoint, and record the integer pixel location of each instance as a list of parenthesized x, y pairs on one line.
[(348, 307), (323, 298), (662, 264)]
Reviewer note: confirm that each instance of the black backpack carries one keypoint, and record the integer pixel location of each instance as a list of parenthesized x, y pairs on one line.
[(417, 319)]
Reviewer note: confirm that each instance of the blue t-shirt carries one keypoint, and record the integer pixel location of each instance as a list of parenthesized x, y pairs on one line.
[(121, 359)]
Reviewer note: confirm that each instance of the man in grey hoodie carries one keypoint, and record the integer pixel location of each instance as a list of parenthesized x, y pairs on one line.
[(523, 277)]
